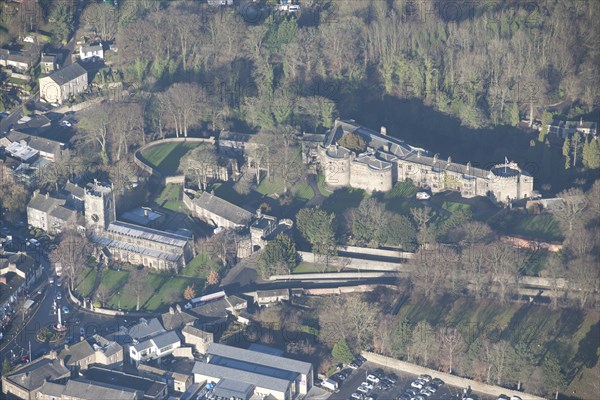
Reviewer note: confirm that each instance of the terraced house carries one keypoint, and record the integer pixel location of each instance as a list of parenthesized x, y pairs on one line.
[(377, 161)]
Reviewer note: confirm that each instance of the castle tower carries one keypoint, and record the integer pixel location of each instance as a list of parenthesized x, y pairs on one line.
[(99, 207)]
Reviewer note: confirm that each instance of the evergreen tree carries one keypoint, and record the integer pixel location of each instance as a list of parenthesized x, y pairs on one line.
[(576, 147), (566, 150), (279, 255), (591, 154), (341, 352), (514, 114)]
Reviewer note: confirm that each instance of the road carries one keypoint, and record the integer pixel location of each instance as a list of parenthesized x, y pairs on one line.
[(17, 344)]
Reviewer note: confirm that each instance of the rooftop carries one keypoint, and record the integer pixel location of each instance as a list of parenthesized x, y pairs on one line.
[(68, 73), (32, 376), (223, 208), (221, 372), (86, 389), (175, 319), (124, 380), (259, 358), (142, 232), (219, 308), (141, 216), (145, 328), (77, 352), (117, 244)]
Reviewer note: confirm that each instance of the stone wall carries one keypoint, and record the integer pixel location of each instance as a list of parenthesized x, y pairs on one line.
[(330, 275), (449, 379), (359, 263), (139, 160), (377, 252)]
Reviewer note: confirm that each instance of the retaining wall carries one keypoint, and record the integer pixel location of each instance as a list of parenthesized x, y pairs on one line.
[(330, 275), (359, 263), (449, 379), (377, 252), (138, 158)]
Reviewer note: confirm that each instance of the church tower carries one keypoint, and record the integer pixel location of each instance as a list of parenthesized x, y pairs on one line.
[(99, 207)]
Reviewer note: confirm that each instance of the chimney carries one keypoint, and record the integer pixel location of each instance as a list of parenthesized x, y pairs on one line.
[(469, 166), (171, 311), (580, 121), (259, 213), (145, 212), (435, 158), (419, 153), (383, 131), (66, 346), (178, 307), (449, 160), (47, 196)]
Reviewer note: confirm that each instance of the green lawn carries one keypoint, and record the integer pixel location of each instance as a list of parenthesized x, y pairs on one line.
[(453, 206), (308, 268), (226, 191), (301, 190), (170, 197), (166, 157), (112, 280), (321, 185), (86, 283), (199, 267), (402, 190), (542, 226)]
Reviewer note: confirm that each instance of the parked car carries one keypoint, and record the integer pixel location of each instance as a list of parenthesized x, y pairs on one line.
[(373, 378), (417, 384), (361, 359), (65, 310), (425, 392), (58, 296), (362, 389), (378, 373), (437, 381), (356, 396), (392, 378), (411, 392), (425, 378), (431, 388), (353, 365)]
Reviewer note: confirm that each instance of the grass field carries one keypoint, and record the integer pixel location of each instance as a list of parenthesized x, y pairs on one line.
[(308, 267), (166, 157), (170, 197), (321, 185), (542, 226), (86, 283), (301, 190)]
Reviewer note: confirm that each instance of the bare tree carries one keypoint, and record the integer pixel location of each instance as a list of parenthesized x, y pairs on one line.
[(200, 163), (451, 342), (422, 216), (103, 16), (138, 282), (570, 211), (73, 253), (505, 265)]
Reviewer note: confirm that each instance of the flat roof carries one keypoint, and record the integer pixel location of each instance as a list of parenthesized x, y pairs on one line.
[(255, 357), (221, 372)]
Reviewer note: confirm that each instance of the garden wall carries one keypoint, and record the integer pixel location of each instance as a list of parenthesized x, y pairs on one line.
[(330, 275), (362, 264), (449, 379), (377, 252)]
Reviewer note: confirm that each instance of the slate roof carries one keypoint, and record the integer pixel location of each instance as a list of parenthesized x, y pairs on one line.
[(272, 293), (90, 390), (52, 389), (91, 48), (32, 376), (218, 371), (191, 330), (227, 388), (142, 232), (176, 320), (68, 73), (223, 208), (219, 308), (373, 162), (125, 380), (76, 352), (145, 328), (74, 190), (165, 339), (63, 214), (118, 244), (41, 203), (23, 262), (108, 347), (259, 358)]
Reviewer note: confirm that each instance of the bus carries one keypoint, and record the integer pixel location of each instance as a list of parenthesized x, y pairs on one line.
[(204, 299)]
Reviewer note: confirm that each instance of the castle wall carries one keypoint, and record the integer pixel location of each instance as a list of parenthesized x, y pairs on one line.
[(335, 170), (366, 178)]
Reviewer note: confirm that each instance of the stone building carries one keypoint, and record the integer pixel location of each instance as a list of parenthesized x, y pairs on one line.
[(387, 160), (126, 242), (63, 84), (217, 211), (26, 381), (96, 350), (197, 338)]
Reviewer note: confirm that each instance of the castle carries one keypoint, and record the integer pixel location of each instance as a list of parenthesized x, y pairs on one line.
[(387, 160)]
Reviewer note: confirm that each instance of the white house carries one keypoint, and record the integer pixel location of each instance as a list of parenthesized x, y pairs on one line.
[(91, 51), (155, 347)]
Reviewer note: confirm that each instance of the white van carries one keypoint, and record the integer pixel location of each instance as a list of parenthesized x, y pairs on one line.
[(330, 384)]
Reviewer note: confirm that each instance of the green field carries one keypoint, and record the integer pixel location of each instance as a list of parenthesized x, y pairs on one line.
[(301, 190), (170, 197), (166, 157), (86, 282), (308, 268), (199, 267), (321, 185)]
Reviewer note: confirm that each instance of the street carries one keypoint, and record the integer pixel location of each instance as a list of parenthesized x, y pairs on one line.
[(13, 346)]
